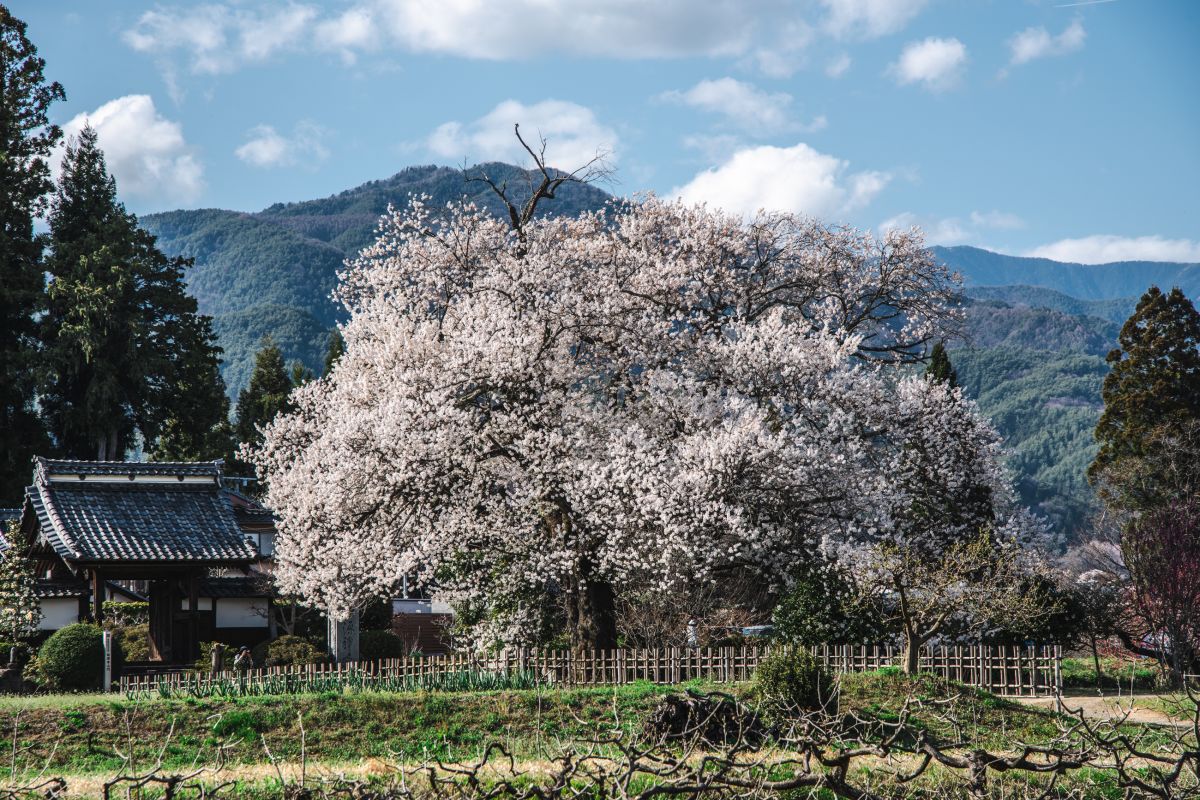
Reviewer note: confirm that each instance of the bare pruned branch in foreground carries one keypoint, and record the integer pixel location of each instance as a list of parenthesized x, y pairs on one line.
[(715, 746)]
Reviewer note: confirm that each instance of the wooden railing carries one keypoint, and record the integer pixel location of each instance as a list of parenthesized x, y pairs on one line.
[(1014, 671)]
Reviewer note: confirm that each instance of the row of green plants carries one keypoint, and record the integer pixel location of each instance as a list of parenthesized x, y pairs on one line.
[(353, 681)]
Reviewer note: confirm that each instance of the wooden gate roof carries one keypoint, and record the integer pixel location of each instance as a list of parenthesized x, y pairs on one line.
[(118, 512)]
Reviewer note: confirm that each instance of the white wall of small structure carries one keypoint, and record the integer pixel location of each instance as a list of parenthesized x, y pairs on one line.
[(241, 612), (58, 612)]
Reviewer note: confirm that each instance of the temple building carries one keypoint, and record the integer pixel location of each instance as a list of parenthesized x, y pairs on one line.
[(168, 533)]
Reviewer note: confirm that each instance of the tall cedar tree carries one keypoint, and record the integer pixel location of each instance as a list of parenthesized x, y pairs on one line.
[(266, 396), (126, 353), (1154, 379), (26, 139), (940, 369)]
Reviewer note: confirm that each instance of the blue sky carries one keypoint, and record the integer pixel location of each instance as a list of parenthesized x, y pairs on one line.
[(1065, 128)]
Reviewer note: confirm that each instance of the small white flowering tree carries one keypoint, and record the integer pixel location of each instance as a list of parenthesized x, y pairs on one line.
[(20, 611), (945, 545), (646, 396)]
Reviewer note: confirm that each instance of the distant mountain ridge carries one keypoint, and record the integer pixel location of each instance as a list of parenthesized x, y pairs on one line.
[(1083, 281)]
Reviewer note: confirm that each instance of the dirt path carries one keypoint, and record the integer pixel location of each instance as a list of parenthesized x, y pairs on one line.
[(1100, 707)]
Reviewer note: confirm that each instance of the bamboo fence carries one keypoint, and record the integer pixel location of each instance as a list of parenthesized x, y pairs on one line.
[(1009, 671)]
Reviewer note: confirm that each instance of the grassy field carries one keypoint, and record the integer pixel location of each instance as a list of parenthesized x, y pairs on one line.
[(87, 737)]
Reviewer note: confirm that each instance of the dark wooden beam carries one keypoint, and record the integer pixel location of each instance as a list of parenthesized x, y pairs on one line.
[(97, 597), (194, 616)]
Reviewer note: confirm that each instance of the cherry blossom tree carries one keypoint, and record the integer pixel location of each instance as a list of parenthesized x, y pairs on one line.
[(647, 396)]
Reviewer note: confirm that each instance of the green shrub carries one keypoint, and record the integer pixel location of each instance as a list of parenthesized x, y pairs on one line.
[(73, 658), (287, 651), (133, 642), (792, 679), (374, 645)]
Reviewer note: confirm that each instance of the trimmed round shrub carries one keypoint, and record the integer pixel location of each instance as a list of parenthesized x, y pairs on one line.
[(286, 651), (73, 658), (374, 645), (788, 680)]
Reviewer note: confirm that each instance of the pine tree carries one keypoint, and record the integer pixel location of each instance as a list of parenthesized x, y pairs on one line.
[(20, 612), (940, 369), (335, 350), (1154, 380), (266, 396), (126, 354), (26, 139)]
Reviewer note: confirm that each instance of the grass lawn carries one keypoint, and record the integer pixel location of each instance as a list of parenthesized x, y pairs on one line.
[(86, 736)]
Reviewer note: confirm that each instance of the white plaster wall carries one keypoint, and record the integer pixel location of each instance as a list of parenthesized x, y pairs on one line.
[(412, 606), (59, 612), (241, 612)]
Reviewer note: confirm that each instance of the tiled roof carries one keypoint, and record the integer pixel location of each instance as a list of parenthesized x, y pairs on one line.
[(141, 522), (203, 469), (236, 587), (46, 588)]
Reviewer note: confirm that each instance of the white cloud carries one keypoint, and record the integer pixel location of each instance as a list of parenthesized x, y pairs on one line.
[(936, 64), (743, 104), (869, 19), (1103, 249), (146, 153), (838, 66), (221, 38), (574, 135), (954, 230), (1034, 43), (798, 179), (266, 147)]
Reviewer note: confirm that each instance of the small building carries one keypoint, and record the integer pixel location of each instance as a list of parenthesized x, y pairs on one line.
[(167, 533)]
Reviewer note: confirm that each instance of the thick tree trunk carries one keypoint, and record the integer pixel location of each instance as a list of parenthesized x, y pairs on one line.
[(912, 652), (592, 614), (1096, 661)]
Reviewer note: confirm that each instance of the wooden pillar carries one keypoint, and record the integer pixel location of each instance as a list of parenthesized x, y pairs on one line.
[(97, 597), (161, 612), (194, 616)]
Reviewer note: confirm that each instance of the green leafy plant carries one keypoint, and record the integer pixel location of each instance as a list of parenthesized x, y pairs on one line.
[(288, 651), (791, 679), (73, 658), (374, 645)]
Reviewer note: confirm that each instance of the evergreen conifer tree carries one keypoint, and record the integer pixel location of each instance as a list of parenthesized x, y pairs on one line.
[(126, 354), (265, 396), (337, 346), (26, 139), (1154, 379), (196, 426), (940, 369)]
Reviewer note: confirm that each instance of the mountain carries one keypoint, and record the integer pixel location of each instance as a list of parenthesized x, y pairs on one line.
[(1083, 281), (995, 324), (1117, 310), (273, 271)]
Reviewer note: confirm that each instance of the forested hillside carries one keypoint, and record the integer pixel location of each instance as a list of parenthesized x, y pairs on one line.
[(1033, 355), (273, 271)]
